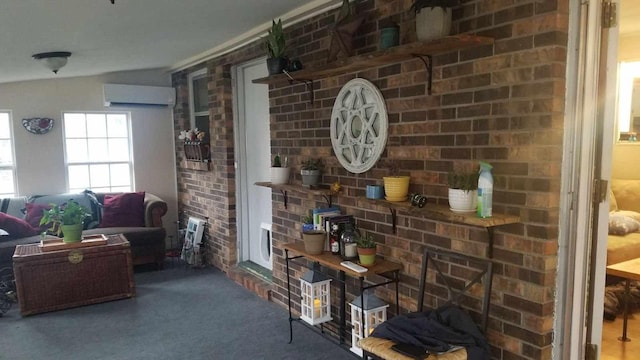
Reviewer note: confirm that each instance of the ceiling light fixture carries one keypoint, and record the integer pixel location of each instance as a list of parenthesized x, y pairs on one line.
[(53, 60)]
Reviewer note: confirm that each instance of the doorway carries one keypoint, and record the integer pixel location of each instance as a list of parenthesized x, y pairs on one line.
[(252, 137)]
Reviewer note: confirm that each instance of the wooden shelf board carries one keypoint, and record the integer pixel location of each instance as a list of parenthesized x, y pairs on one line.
[(442, 213), (382, 57), (292, 187), (331, 261)]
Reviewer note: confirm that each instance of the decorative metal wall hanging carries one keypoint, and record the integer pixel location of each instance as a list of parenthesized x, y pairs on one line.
[(359, 125), (38, 125)]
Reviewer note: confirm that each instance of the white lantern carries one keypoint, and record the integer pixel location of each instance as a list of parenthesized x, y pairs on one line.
[(315, 297), (372, 314)]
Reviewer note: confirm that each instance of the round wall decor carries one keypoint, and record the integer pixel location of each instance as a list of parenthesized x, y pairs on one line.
[(38, 125), (359, 125)]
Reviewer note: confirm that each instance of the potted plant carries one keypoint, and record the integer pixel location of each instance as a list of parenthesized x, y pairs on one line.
[(314, 241), (66, 219), (279, 171), (433, 18), (311, 171), (307, 222), (366, 249), (396, 187), (463, 191), (275, 47)]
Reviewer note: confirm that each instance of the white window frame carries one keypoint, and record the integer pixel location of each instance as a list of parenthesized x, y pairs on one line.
[(129, 162), (11, 167), (192, 113)]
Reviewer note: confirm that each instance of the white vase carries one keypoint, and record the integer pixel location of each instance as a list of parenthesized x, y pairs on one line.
[(463, 201), (433, 23), (279, 175)]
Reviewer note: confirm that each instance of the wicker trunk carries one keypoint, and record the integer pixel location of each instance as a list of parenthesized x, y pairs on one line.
[(55, 280)]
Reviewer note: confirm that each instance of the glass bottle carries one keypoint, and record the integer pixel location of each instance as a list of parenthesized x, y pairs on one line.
[(348, 243), (334, 240)]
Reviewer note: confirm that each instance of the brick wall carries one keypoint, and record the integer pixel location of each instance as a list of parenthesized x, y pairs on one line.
[(502, 103)]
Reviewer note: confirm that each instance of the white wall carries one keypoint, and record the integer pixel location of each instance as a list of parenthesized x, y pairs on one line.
[(40, 158)]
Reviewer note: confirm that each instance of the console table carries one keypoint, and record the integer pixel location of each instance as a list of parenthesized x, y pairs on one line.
[(386, 269)]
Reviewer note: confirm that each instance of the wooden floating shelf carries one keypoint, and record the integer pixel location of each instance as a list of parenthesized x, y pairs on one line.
[(321, 190), (443, 213), (382, 57)]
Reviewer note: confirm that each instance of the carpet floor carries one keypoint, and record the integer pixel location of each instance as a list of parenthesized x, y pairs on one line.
[(178, 313)]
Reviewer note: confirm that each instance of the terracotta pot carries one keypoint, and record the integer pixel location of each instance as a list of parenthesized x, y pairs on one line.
[(367, 256)]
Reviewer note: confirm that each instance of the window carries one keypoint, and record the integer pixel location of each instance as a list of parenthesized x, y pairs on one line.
[(7, 164), (199, 102), (98, 151)]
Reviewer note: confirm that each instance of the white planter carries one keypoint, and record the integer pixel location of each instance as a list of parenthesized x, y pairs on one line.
[(463, 201), (433, 23), (279, 175)]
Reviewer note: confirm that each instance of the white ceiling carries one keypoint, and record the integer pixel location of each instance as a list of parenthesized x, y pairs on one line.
[(130, 34)]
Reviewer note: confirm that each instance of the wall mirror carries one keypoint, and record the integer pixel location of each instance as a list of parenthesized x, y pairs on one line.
[(359, 125), (629, 102)]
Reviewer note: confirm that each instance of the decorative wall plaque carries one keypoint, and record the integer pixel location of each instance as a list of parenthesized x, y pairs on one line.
[(359, 125), (38, 125)]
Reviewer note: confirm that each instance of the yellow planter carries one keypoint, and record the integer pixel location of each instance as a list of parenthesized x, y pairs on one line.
[(396, 188)]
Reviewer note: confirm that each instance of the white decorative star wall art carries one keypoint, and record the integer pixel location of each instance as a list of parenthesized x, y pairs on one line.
[(359, 125)]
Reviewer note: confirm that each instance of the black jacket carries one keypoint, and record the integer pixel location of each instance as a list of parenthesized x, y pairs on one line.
[(436, 330)]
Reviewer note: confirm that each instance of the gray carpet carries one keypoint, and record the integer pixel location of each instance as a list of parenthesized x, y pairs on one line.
[(178, 313)]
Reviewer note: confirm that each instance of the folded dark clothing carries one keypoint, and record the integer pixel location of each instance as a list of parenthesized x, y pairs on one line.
[(437, 330)]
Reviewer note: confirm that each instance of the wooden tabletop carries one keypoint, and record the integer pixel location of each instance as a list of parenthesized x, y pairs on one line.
[(333, 262), (629, 269)]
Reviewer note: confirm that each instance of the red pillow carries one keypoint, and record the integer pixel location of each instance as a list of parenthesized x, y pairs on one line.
[(123, 210), (34, 214), (16, 227)]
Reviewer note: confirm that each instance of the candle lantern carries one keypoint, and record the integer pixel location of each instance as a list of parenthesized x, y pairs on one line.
[(315, 297), (373, 314)]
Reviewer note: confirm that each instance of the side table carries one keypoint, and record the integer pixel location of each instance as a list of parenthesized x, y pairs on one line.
[(387, 269)]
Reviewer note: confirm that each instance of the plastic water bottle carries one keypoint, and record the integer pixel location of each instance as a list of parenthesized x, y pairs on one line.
[(485, 190)]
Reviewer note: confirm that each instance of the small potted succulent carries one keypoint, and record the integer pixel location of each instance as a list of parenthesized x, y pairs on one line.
[(366, 247), (279, 171), (433, 18), (307, 222), (311, 170), (463, 191), (276, 45), (66, 219)]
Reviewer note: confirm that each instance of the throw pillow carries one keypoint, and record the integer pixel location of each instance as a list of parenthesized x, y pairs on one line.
[(34, 214), (16, 227), (620, 224), (123, 210)]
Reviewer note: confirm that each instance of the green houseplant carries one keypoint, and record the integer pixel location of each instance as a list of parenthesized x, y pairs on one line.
[(276, 45), (311, 170), (366, 249), (463, 191), (66, 219), (433, 18)]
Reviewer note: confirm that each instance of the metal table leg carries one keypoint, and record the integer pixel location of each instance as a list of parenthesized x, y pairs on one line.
[(286, 257), (625, 316)]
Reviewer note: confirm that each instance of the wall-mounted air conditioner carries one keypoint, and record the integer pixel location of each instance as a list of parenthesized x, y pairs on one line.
[(136, 95)]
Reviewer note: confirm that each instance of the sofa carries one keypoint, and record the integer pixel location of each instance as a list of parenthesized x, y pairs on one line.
[(623, 242), (136, 215)]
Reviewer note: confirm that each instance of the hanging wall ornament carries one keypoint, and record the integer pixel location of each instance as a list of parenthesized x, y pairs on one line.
[(38, 125), (359, 125)]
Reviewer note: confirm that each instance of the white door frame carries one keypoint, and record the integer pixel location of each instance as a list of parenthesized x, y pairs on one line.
[(576, 257), (240, 150)]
